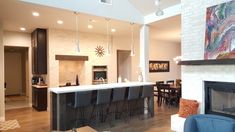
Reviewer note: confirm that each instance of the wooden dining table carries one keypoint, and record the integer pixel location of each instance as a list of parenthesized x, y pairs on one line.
[(171, 93)]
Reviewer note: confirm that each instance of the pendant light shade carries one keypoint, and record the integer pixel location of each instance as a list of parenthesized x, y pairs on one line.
[(77, 43), (108, 39), (132, 40)]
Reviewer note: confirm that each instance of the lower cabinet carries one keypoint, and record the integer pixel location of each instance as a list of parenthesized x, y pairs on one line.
[(39, 98)]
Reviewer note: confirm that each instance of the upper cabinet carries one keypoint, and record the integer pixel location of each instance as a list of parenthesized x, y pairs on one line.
[(39, 51)]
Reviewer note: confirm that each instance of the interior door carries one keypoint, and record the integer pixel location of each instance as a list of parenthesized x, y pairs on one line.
[(13, 73)]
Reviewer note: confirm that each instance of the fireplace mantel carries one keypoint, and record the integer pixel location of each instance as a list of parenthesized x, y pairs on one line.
[(71, 57), (208, 62)]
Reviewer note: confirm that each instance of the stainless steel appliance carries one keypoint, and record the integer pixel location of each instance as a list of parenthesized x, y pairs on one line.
[(99, 74)]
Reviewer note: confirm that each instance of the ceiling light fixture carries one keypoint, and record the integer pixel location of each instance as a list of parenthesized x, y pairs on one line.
[(22, 29), (113, 30), (60, 22), (159, 11), (35, 14), (108, 36), (90, 26), (77, 34), (132, 40)]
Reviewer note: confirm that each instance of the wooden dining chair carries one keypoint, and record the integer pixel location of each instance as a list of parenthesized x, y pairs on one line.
[(171, 82), (163, 94), (155, 88), (178, 82)]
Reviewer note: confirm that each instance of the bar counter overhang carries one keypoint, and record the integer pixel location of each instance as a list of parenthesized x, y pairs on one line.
[(61, 115)]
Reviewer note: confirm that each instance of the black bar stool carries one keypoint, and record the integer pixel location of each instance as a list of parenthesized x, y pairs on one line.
[(101, 106), (117, 102), (132, 100), (147, 93), (82, 100)]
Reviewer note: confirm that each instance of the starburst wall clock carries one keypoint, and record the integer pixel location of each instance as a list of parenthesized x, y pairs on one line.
[(99, 51)]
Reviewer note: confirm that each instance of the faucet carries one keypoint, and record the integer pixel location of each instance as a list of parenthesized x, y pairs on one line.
[(102, 79)]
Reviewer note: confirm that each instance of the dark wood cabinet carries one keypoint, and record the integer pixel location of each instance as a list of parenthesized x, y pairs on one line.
[(39, 51), (39, 98)]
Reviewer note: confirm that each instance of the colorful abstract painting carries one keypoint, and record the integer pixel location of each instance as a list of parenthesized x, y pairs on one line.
[(220, 31)]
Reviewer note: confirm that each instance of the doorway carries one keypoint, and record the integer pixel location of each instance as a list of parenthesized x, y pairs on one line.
[(124, 65), (16, 77)]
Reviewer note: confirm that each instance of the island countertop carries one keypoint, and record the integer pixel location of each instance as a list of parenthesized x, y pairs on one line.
[(70, 89)]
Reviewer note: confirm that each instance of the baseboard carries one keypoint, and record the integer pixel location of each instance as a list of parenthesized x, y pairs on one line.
[(2, 118)]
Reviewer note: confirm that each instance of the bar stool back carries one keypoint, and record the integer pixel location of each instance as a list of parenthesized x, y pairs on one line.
[(100, 109), (133, 98), (81, 101)]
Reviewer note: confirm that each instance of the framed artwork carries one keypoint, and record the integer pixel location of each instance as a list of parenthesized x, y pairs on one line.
[(220, 31), (159, 66)]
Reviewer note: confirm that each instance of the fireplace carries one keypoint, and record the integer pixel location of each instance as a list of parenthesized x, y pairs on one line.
[(220, 98)]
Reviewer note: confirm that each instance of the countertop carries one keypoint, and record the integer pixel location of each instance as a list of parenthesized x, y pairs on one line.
[(40, 86), (70, 89)]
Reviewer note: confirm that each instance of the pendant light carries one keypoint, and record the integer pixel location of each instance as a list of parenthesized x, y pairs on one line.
[(77, 34), (132, 40), (108, 52)]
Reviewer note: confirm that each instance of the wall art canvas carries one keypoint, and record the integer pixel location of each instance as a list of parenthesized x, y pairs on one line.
[(159, 66), (220, 31)]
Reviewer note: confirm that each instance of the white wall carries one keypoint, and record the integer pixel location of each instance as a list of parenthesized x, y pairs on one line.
[(63, 42), (2, 95), (193, 34), (166, 51)]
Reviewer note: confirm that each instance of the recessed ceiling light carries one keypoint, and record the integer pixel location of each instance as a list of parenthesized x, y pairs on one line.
[(60, 22), (35, 14), (90, 26), (22, 29), (113, 30)]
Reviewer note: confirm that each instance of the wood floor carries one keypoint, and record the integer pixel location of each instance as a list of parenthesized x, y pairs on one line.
[(32, 121)]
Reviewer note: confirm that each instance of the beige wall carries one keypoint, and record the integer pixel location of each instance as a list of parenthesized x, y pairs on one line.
[(166, 51), (63, 42), (20, 39), (124, 66), (68, 71), (2, 97), (13, 72)]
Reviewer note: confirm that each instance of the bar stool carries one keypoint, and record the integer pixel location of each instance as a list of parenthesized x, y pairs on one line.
[(81, 101), (101, 106), (117, 102), (147, 93), (132, 100)]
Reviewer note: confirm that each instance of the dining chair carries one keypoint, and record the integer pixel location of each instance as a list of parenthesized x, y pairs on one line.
[(155, 91), (171, 82), (178, 82), (163, 93)]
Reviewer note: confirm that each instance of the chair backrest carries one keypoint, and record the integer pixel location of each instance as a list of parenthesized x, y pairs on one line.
[(147, 91), (103, 96), (118, 94), (161, 87), (170, 82), (161, 82), (209, 123), (133, 93), (82, 99)]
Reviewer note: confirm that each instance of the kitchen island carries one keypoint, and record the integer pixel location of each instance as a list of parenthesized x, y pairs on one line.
[(62, 115)]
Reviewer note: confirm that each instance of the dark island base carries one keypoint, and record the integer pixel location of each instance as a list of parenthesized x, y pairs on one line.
[(63, 115)]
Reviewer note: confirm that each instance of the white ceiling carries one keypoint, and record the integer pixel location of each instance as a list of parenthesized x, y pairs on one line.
[(147, 6), (16, 14)]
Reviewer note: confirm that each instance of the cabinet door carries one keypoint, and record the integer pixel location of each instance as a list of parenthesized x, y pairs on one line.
[(41, 51)]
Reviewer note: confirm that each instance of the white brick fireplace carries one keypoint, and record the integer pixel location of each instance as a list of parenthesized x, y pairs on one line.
[(192, 47), (193, 36)]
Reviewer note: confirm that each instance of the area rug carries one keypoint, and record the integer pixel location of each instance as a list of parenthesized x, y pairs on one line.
[(10, 124)]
